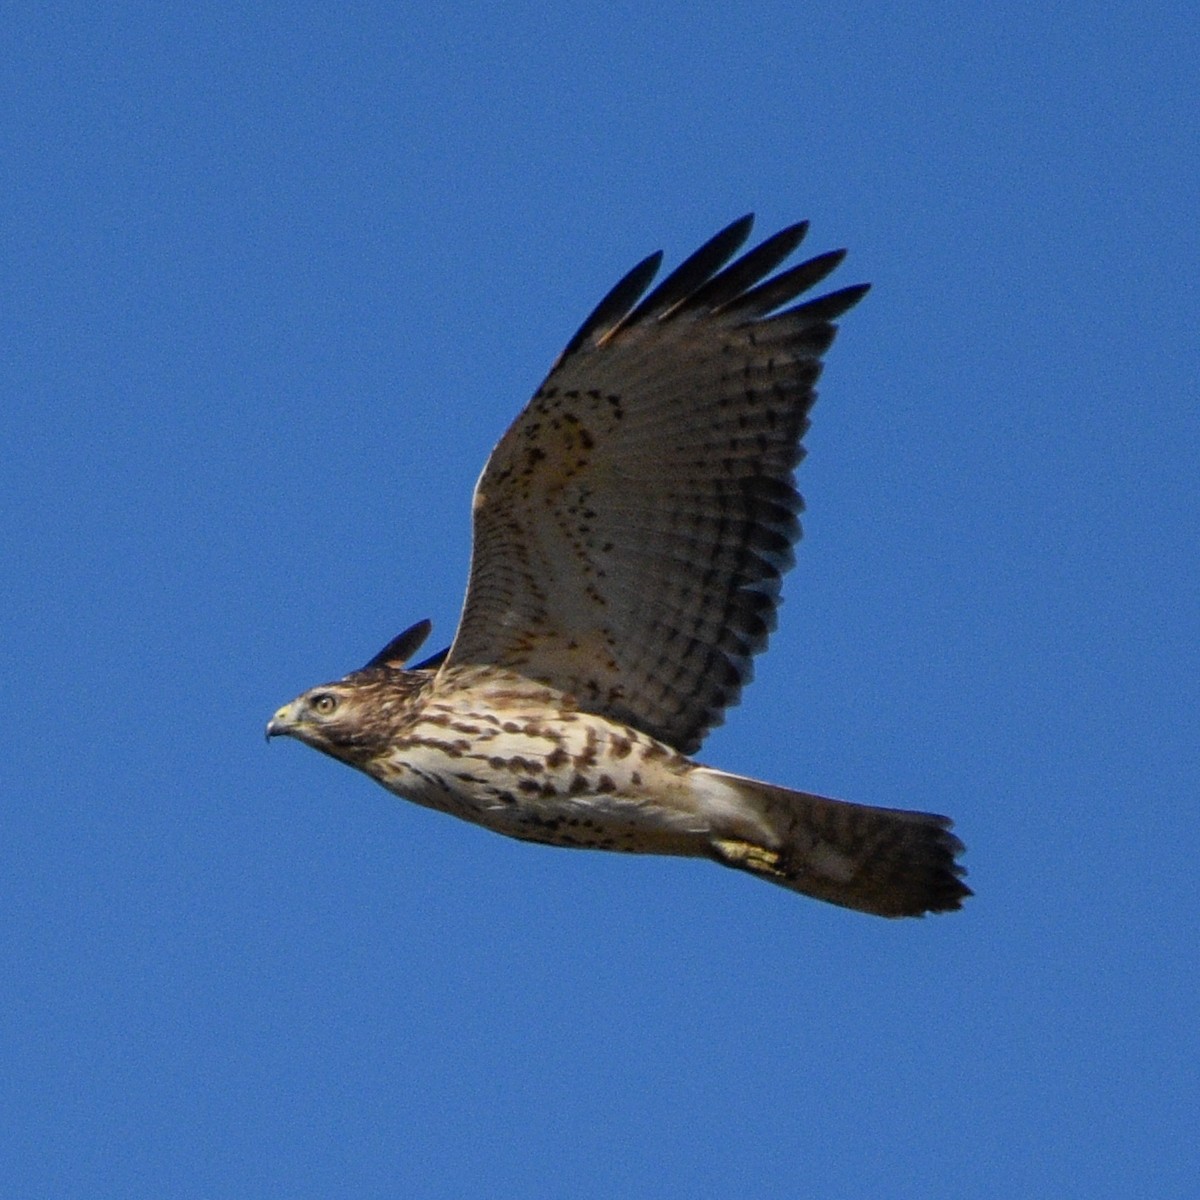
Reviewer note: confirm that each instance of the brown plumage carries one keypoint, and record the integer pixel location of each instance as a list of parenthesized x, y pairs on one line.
[(630, 533)]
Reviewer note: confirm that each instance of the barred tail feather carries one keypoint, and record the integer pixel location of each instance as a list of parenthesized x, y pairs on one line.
[(885, 861)]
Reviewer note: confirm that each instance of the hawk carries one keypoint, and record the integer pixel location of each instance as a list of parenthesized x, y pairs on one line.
[(630, 532)]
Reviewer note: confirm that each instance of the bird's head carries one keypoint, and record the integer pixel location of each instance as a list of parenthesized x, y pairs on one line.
[(356, 718), (332, 718)]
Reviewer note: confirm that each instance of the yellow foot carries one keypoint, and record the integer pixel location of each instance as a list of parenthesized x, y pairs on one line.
[(747, 856)]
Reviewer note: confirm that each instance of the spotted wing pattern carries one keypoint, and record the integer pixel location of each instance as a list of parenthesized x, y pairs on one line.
[(632, 526)]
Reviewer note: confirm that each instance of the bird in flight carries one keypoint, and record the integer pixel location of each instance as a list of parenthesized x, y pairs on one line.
[(630, 532)]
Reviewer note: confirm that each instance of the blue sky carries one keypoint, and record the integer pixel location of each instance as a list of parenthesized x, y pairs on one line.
[(276, 279)]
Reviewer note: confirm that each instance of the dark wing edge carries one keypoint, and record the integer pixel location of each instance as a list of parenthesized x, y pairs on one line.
[(698, 284)]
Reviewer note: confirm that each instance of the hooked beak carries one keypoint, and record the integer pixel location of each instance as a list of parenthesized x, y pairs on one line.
[(280, 725)]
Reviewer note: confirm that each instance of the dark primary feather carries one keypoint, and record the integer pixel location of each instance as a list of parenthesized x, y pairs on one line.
[(748, 270), (775, 293), (402, 647), (695, 270), (616, 302)]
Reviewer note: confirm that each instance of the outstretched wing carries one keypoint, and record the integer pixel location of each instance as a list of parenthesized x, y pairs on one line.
[(632, 526)]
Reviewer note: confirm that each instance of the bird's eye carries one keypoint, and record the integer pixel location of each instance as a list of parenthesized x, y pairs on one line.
[(324, 704)]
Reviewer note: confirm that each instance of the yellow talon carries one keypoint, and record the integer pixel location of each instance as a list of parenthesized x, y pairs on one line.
[(748, 855)]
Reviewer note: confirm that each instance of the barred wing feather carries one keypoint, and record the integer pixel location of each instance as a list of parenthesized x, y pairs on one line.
[(632, 526)]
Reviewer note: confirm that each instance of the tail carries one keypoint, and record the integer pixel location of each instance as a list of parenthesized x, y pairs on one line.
[(878, 860)]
